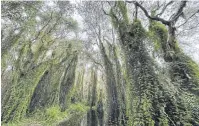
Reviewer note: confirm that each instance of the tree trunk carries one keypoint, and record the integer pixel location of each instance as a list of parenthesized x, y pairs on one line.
[(94, 88), (67, 83), (171, 44), (121, 87), (113, 105), (152, 104)]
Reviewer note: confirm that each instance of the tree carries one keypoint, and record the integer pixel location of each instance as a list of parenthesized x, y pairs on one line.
[(144, 80), (117, 62)]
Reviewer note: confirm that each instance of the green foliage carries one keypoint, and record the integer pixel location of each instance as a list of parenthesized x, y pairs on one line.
[(177, 47), (21, 93), (155, 40), (141, 86), (12, 41), (164, 121), (142, 115), (51, 116), (186, 72), (159, 34), (137, 31), (195, 68), (129, 94), (191, 68), (3, 62), (54, 113), (28, 61), (124, 12), (78, 107)]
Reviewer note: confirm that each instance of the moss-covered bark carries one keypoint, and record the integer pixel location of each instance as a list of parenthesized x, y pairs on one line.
[(34, 84), (120, 87), (20, 93), (113, 105), (183, 72), (67, 82), (100, 109), (94, 88), (152, 103)]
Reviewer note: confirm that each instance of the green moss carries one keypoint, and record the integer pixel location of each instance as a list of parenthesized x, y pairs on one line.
[(121, 5), (53, 113), (129, 98), (14, 41), (195, 70), (4, 62), (158, 28), (137, 31), (21, 93), (186, 72), (78, 107), (113, 19), (159, 34), (70, 94), (177, 47), (187, 124), (36, 49), (145, 108), (56, 73), (164, 121), (25, 49), (155, 40), (51, 116), (185, 62)]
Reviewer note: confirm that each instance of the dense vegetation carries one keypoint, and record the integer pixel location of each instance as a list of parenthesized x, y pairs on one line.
[(98, 63)]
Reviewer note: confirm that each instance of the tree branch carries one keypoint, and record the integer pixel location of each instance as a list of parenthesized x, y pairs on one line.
[(193, 27), (164, 8), (188, 18), (147, 14), (179, 12), (105, 12), (92, 58)]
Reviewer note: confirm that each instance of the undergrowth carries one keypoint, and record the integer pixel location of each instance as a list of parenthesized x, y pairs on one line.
[(51, 116)]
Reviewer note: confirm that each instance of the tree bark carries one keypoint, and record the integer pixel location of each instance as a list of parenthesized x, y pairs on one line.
[(112, 93)]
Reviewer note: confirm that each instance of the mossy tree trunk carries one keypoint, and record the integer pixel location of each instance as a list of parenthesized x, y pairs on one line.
[(148, 92), (152, 104), (94, 88), (79, 84), (40, 96), (121, 86), (67, 82), (20, 94), (100, 109), (113, 105)]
